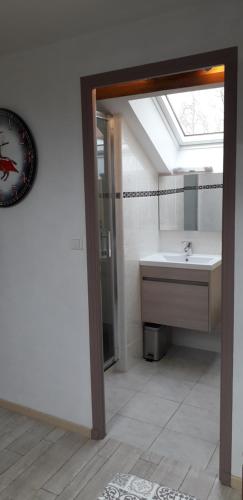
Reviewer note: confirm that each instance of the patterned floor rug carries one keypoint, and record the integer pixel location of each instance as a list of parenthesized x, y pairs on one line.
[(128, 487)]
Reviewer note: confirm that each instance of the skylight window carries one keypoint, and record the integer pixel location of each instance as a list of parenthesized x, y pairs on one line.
[(195, 116), (200, 111)]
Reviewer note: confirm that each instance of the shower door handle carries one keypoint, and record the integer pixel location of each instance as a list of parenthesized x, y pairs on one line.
[(106, 248), (109, 243)]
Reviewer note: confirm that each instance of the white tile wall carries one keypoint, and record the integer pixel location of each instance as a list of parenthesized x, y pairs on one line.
[(140, 233), (141, 237), (202, 242)]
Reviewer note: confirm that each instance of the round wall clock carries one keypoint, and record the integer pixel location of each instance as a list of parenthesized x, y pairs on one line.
[(18, 159)]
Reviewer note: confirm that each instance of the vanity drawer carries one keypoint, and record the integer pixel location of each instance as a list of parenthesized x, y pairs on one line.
[(178, 304), (174, 273)]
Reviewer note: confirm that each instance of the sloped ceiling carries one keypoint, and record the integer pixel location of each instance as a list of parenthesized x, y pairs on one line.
[(147, 126), (160, 152)]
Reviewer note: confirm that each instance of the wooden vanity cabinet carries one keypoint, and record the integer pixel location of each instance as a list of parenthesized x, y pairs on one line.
[(186, 298)]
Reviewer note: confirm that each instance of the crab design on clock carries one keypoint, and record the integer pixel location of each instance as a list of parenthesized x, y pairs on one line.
[(18, 158)]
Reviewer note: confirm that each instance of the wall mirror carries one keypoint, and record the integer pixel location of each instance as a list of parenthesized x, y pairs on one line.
[(191, 202)]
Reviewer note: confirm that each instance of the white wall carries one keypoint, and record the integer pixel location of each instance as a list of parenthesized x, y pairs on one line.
[(44, 345), (196, 339), (197, 158), (140, 233)]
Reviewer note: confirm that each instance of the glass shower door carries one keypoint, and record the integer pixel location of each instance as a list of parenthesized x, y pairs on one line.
[(107, 236)]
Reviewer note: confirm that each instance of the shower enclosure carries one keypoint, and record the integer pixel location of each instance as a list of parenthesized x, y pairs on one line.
[(107, 231)]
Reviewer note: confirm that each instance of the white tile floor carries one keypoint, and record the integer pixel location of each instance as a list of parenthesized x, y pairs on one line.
[(168, 408)]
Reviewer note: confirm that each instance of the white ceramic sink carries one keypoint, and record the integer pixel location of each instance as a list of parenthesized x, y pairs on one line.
[(194, 261)]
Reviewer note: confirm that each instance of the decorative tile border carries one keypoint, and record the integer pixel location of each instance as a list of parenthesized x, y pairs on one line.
[(140, 194), (159, 192), (162, 192), (204, 186)]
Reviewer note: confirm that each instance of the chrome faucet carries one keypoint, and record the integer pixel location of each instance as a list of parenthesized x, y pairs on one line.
[(187, 245)]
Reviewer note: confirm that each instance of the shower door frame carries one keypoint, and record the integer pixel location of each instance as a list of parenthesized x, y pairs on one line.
[(141, 79), (111, 173)]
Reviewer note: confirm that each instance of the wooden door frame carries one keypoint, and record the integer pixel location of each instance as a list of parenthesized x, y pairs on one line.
[(89, 85)]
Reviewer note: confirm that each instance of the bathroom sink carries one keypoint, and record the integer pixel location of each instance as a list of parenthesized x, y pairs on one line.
[(194, 261)]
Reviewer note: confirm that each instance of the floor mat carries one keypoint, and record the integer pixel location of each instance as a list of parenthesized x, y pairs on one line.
[(128, 487)]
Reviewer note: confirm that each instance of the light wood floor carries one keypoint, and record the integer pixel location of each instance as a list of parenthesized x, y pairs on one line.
[(43, 463)]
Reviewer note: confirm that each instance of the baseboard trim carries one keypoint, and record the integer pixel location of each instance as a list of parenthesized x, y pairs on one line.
[(44, 417), (236, 483)]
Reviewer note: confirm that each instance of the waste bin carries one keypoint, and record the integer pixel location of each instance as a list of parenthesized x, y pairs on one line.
[(156, 340)]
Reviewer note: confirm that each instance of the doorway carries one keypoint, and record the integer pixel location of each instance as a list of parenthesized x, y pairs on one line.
[(140, 80)]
